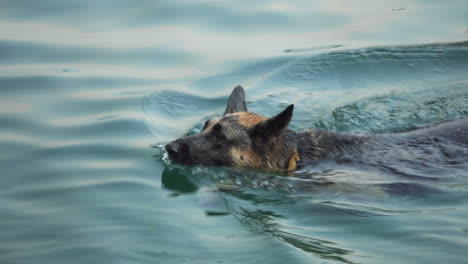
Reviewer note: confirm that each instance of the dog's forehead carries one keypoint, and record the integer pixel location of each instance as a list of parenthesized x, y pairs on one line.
[(246, 119)]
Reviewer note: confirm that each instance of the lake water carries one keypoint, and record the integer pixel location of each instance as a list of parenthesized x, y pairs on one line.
[(92, 90)]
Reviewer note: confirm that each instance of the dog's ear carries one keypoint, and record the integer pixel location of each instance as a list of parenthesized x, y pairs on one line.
[(273, 126), (236, 101)]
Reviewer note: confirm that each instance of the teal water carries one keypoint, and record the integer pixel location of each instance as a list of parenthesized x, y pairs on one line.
[(91, 91)]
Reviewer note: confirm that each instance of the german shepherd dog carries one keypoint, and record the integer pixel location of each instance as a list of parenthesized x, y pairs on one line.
[(244, 139)]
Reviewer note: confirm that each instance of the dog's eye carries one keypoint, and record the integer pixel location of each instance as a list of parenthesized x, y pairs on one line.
[(207, 122), (217, 133), (217, 127)]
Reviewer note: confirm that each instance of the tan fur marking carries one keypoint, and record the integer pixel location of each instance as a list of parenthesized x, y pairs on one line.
[(249, 159), (249, 119), (246, 158)]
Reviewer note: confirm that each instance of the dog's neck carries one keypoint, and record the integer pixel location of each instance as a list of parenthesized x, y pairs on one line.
[(314, 145)]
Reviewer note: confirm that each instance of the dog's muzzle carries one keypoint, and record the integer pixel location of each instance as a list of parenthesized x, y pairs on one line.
[(178, 152)]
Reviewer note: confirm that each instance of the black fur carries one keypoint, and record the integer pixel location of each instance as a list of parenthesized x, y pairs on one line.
[(246, 139), (264, 132), (236, 102)]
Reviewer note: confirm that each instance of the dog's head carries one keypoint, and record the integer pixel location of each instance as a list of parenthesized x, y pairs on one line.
[(239, 138)]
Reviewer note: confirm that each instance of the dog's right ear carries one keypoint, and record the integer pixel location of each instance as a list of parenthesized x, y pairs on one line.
[(236, 101), (272, 127)]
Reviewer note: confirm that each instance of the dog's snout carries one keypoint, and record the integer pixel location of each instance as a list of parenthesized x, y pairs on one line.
[(178, 151), (173, 148)]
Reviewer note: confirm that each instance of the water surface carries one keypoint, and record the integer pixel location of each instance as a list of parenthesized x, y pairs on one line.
[(90, 92)]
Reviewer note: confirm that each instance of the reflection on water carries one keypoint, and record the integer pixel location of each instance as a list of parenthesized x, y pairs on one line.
[(238, 203), (175, 179)]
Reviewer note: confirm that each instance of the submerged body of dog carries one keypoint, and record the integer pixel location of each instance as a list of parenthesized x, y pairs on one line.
[(244, 139)]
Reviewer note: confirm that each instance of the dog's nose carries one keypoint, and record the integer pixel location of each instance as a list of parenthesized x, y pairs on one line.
[(172, 148)]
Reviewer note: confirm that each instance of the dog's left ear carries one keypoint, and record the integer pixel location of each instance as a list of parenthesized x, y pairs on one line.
[(273, 126), (236, 101)]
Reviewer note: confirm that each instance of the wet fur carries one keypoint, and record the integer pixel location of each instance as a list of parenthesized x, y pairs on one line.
[(244, 139)]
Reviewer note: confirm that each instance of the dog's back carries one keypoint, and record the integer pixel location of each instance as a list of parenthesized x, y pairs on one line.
[(455, 131)]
